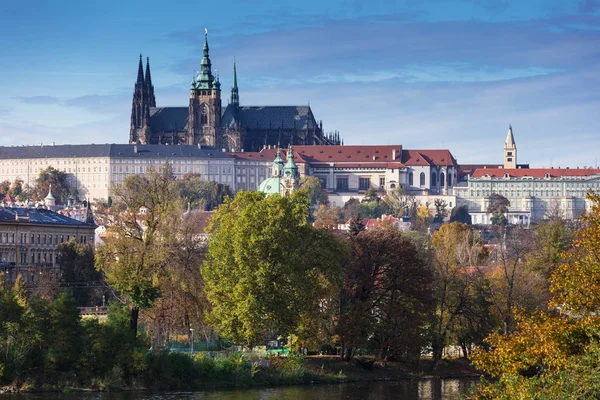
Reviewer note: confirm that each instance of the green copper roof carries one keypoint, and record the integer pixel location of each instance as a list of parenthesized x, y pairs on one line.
[(205, 79), (270, 185), (290, 169), (50, 195)]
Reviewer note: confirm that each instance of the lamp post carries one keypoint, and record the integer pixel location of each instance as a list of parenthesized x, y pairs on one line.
[(192, 347)]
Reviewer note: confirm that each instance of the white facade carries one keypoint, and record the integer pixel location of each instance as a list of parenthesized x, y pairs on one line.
[(534, 194)]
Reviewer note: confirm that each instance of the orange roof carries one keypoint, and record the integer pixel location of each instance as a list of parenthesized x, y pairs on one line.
[(533, 172), (353, 155), (440, 157)]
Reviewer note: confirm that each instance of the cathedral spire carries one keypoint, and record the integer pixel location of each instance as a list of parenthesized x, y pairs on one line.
[(149, 87), (205, 79), (140, 78), (148, 78), (235, 96)]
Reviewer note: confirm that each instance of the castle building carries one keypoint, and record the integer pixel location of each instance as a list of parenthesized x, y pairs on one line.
[(205, 122)]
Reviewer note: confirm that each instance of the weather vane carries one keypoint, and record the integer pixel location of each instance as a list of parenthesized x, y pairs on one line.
[(205, 31)]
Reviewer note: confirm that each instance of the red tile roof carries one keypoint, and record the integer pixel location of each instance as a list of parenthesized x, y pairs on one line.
[(533, 172), (340, 155), (440, 157)]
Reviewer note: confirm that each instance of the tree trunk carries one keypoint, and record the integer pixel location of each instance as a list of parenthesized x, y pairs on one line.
[(133, 322)]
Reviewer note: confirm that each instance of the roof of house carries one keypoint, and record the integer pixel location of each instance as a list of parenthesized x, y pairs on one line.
[(533, 172), (110, 150), (36, 216)]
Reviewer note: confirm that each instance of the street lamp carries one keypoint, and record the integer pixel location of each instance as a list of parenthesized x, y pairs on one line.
[(191, 330)]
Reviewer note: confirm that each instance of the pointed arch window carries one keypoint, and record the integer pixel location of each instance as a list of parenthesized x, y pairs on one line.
[(442, 179), (433, 179), (422, 179), (410, 179), (203, 114)]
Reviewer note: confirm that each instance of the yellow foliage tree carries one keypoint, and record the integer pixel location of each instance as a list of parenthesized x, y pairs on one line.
[(554, 354)]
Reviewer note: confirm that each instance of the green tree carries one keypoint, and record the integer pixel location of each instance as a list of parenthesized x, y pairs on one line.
[(76, 262), (60, 185), (440, 210), (64, 339), (17, 191), (314, 189), (264, 265), (460, 214), (498, 207), (4, 188), (138, 242)]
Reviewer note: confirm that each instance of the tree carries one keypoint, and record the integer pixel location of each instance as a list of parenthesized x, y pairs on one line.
[(327, 217), (460, 214), (512, 282), (351, 209), (398, 201), (356, 226), (422, 219), (385, 296), (314, 189), (17, 191), (137, 246), (498, 207), (202, 194), (60, 186), (554, 354), (76, 262), (456, 250), (4, 188), (440, 210), (264, 265)]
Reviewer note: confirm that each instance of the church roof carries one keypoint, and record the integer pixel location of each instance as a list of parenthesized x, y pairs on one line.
[(168, 119), (274, 117), (441, 157)]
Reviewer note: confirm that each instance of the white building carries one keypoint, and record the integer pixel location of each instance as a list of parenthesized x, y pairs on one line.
[(534, 193), (95, 169)]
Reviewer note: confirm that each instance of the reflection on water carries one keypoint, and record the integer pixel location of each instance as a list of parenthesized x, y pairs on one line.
[(434, 389)]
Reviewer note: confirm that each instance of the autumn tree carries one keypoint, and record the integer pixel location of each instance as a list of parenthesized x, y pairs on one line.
[(398, 200), (457, 254), (138, 242), (385, 296), (512, 282), (554, 353), (327, 217), (266, 266), (18, 191), (61, 189), (4, 188)]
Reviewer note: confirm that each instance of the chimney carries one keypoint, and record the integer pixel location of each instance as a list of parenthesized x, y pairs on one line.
[(374, 158), (394, 154), (135, 149)]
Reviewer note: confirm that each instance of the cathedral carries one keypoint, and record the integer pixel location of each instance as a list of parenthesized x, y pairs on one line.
[(205, 123)]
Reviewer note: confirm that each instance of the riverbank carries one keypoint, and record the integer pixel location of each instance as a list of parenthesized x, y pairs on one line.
[(177, 372)]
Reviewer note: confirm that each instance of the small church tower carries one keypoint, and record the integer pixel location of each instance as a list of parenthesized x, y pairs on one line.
[(204, 114), (291, 176), (510, 150)]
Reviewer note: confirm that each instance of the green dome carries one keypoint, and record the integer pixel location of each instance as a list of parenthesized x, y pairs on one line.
[(270, 185)]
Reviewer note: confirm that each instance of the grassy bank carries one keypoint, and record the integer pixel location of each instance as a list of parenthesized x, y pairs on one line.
[(182, 372)]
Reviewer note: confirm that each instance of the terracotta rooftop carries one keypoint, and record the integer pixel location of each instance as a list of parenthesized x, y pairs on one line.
[(533, 172), (440, 157)]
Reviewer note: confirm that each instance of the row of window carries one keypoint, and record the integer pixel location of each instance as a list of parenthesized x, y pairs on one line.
[(7, 237)]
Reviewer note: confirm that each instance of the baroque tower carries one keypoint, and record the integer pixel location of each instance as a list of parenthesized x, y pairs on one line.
[(204, 114), (510, 150)]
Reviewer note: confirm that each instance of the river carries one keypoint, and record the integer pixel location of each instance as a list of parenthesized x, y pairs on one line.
[(434, 389)]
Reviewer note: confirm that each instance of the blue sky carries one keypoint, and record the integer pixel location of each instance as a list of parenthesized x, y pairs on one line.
[(424, 74)]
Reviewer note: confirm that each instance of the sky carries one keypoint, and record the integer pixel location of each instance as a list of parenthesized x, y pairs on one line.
[(424, 74)]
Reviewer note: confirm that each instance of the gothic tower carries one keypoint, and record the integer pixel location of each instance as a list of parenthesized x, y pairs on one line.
[(235, 95), (143, 99), (510, 150), (204, 114)]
